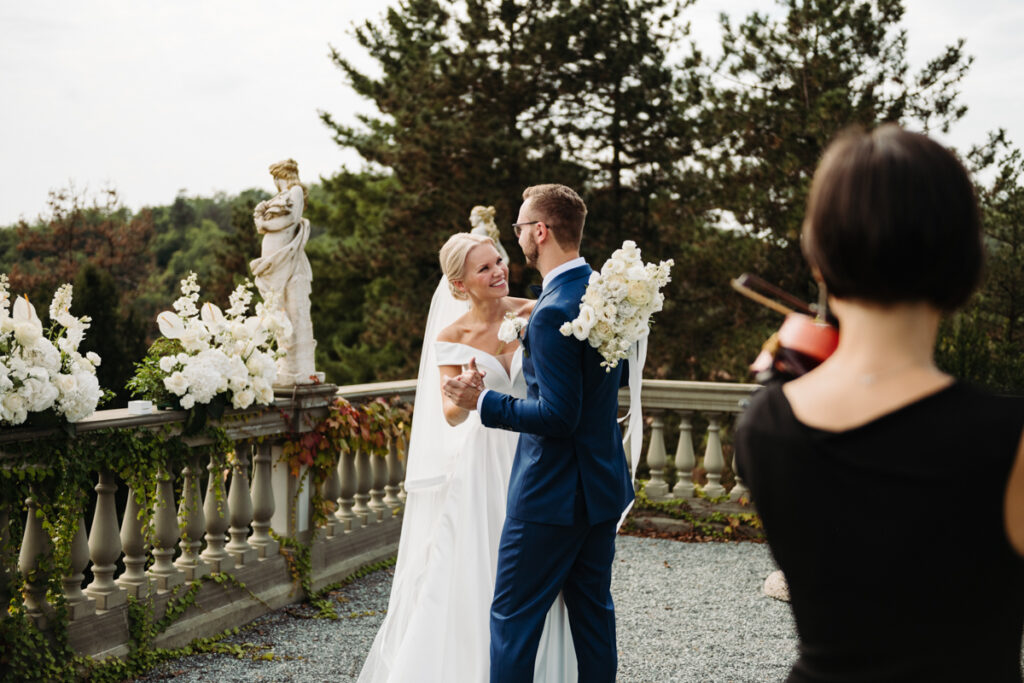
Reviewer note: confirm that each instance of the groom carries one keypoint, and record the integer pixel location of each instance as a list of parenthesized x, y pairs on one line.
[(569, 481)]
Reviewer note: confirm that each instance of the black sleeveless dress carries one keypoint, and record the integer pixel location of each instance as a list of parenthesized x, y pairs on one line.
[(891, 536)]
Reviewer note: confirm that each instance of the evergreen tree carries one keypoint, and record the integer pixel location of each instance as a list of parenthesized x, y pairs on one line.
[(117, 334), (783, 89)]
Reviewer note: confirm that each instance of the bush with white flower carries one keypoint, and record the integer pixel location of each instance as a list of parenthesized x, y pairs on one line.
[(617, 307), (213, 358), (41, 369)]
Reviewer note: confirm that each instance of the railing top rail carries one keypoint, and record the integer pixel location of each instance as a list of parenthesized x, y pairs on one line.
[(279, 418), (708, 397)]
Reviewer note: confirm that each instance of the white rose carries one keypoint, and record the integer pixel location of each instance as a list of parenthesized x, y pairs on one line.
[(187, 401), (265, 395), (639, 293), (243, 399), (14, 408), (612, 267), (176, 383), (6, 325), (66, 383), (167, 363), (637, 272), (579, 330)]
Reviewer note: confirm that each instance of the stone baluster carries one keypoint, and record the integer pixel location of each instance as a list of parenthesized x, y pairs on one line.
[(346, 495), (165, 535), (685, 459), (133, 539), (215, 509), (739, 493), (35, 548), (78, 603), (714, 461), (105, 546), (363, 483), (263, 502), (240, 509), (192, 522), (394, 464), (331, 492), (657, 488), (379, 479)]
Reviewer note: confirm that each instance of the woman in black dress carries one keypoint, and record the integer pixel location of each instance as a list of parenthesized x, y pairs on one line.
[(882, 481)]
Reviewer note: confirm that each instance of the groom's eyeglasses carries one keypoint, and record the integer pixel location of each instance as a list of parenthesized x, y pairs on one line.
[(517, 228)]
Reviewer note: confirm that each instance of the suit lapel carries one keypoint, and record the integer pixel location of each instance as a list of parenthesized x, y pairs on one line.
[(561, 279)]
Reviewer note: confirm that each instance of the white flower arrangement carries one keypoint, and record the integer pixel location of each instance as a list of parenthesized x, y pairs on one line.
[(42, 370), (510, 328), (617, 307), (228, 353)]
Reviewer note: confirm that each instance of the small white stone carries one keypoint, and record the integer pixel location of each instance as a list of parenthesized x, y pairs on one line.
[(775, 586)]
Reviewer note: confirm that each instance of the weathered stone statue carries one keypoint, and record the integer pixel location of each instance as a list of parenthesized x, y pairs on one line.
[(283, 269), (482, 220)]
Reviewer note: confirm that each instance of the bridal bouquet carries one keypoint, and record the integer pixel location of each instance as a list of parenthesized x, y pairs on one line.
[(42, 369), (209, 357), (617, 307)]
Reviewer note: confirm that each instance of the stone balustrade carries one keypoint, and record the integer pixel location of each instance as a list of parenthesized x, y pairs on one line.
[(222, 519)]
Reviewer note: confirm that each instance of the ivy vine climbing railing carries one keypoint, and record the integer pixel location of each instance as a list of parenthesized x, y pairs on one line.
[(297, 496), (129, 537)]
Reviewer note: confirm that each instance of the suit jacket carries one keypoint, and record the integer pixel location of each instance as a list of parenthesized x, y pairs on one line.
[(571, 443)]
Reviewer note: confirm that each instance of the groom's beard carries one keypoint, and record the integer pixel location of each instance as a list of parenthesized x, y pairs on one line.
[(530, 251)]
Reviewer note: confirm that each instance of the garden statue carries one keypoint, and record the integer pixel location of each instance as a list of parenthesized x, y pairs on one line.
[(482, 220), (282, 272)]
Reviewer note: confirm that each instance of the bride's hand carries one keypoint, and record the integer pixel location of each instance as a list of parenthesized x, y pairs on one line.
[(473, 376)]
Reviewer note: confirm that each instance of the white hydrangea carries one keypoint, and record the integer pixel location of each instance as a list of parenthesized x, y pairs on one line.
[(41, 371), (616, 309)]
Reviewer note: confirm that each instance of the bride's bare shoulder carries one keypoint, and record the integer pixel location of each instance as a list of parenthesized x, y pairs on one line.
[(454, 333), (522, 307)]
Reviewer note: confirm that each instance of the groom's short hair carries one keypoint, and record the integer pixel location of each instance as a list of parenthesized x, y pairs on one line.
[(561, 209)]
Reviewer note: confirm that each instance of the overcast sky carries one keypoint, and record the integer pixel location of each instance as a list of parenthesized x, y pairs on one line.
[(152, 97)]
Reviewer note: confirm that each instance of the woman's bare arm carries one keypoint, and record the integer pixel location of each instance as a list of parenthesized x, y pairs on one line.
[(453, 414)]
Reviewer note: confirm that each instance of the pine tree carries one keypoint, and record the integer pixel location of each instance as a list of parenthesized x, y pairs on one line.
[(784, 88)]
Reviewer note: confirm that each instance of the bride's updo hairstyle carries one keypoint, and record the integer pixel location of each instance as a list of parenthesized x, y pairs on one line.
[(453, 258), (892, 218)]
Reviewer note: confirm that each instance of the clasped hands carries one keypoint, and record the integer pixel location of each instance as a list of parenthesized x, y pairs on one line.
[(463, 390)]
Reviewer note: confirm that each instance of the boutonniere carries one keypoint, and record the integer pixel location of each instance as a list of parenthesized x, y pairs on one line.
[(511, 329)]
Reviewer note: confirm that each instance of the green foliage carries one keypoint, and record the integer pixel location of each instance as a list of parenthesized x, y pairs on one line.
[(783, 89), (117, 334), (148, 380), (312, 455)]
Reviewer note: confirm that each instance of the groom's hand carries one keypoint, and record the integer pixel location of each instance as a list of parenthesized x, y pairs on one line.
[(464, 390)]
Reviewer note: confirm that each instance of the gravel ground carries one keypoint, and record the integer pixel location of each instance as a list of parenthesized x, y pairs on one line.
[(685, 612)]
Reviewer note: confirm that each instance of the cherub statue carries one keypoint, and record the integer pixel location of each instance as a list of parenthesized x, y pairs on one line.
[(283, 269)]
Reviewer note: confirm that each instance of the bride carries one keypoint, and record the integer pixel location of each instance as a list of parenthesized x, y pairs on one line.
[(437, 624)]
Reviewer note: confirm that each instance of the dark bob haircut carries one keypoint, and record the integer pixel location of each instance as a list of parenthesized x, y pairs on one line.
[(892, 218)]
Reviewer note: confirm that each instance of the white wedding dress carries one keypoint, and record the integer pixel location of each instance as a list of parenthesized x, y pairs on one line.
[(437, 626)]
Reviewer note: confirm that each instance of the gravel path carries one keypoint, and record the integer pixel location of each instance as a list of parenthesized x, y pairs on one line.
[(685, 612)]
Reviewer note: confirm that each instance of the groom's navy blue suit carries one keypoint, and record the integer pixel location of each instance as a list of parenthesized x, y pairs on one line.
[(568, 488)]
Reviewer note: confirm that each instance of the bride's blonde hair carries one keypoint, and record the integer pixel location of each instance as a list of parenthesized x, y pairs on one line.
[(453, 258)]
